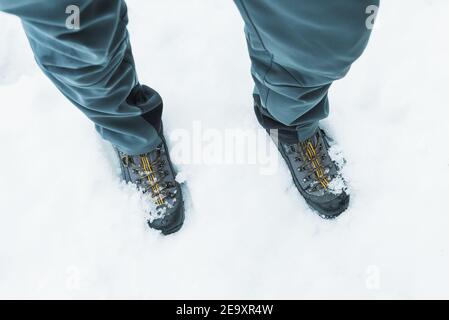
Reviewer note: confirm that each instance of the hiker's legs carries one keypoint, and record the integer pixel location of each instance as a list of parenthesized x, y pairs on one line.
[(298, 48), (93, 66)]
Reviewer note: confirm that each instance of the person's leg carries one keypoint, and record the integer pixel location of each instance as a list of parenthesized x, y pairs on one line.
[(93, 66), (298, 48)]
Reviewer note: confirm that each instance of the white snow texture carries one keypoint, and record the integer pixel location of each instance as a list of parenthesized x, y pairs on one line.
[(70, 229)]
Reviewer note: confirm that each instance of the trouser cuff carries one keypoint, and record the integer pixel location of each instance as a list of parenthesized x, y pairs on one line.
[(286, 134)]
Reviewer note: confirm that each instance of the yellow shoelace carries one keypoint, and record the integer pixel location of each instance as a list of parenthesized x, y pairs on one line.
[(145, 162), (316, 164)]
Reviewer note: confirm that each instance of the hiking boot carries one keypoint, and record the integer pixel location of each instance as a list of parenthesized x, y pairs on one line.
[(316, 175), (154, 175)]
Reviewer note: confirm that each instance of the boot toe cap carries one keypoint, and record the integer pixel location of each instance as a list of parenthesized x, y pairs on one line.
[(333, 208), (170, 222)]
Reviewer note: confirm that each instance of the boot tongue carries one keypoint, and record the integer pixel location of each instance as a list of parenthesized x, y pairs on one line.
[(315, 138), (154, 155)]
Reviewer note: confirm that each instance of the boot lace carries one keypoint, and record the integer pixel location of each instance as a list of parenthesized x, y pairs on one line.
[(152, 175), (312, 158)]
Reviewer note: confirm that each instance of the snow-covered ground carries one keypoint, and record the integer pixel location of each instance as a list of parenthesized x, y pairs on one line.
[(70, 229)]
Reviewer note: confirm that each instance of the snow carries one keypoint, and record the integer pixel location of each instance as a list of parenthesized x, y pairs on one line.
[(70, 229), (338, 184)]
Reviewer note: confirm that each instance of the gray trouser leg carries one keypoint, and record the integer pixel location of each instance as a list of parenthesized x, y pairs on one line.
[(298, 48)]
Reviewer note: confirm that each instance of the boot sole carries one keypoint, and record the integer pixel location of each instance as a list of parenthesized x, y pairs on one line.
[(174, 229)]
